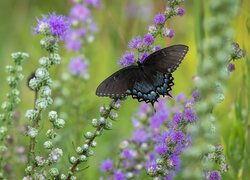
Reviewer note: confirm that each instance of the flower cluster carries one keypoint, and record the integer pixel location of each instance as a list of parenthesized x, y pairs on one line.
[(54, 28), (157, 142), (236, 54), (144, 46), (8, 107), (82, 32)]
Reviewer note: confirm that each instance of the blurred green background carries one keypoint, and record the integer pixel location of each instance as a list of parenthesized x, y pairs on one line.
[(117, 24)]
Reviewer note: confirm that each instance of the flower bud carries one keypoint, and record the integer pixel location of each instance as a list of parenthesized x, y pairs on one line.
[(89, 153), (93, 144), (72, 159), (31, 114), (34, 83), (102, 120), (95, 123), (82, 158), (85, 147), (79, 150), (42, 73), (54, 172), (55, 58), (51, 134), (48, 145), (63, 177), (28, 170), (108, 125), (45, 62), (89, 135), (41, 104), (40, 161), (113, 115), (9, 69), (59, 123), (102, 111), (32, 132), (52, 116), (45, 91)]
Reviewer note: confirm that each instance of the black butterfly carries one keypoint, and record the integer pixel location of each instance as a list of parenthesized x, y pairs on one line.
[(148, 80)]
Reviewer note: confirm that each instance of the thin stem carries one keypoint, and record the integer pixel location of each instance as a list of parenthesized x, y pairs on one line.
[(99, 128)]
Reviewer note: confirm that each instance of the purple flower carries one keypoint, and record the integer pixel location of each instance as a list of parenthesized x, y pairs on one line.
[(170, 33), (127, 154), (119, 176), (178, 149), (127, 59), (190, 115), (189, 104), (142, 110), (231, 67), (157, 48), (161, 106), (157, 120), (93, 27), (140, 136), (181, 11), (177, 136), (144, 56), (83, 32), (148, 39), (196, 95), (77, 66), (215, 175), (161, 148), (74, 44), (106, 165), (174, 161), (135, 42), (177, 118), (159, 19), (59, 25), (94, 3), (181, 97), (79, 12)]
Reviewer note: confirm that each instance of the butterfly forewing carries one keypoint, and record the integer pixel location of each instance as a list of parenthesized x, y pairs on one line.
[(166, 59)]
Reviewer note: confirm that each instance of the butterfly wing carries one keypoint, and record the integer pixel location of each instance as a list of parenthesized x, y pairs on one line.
[(118, 83), (167, 59)]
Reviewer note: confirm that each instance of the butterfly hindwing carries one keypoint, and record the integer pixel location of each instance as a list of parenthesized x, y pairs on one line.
[(118, 83)]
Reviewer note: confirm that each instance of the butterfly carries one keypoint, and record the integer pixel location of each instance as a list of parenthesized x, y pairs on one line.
[(148, 80)]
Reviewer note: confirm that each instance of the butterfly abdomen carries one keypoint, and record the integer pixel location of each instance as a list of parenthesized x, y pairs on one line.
[(143, 93)]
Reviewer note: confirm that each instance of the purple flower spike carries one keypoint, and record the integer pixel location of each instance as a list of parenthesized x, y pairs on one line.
[(79, 12), (59, 25), (119, 176), (148, 39), (231, 67), (77, 66), (190, 115), (159, 19), (140, 136), (181, 11), (181, 97), (215, 175), (106, 165), (174, 161), (157, 48)]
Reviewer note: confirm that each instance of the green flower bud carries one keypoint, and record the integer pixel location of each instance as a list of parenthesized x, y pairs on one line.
[(85, 147), (32, 132), (59, 123), (79, 150), (51, 134), (41, 103), (89, 153), (31, 115), (102, 120), (45, 62), (42, 73), (82, 158), (113, 115), (108, 125), (95, 123), (45, 91), (89, 135), (63, 177), (54, 172), (48, 145), (93, 144), (28, 170), (52, 116), (72, 159)]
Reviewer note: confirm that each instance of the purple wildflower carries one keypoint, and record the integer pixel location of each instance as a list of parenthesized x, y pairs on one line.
[(215, 175), (159, 19), (79, 12), (161, 106), (83, 32), (135, 42), (174, 161), (157, 48), (94, 3), (77, 66), (144, 56), (157, 120), (135, 122), (59, 25), (148, 39), (74, 44), (106, 165), (177, 118), (170, 33), (127, 154), (190, 115), (119, 176), (181, 11), (93, 27), (231, 67), (189, 104), (178, 149), (140, 136), (127, 59), (181, 97), (161, 148), (196, 95), (142, 110), (177, 136)]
